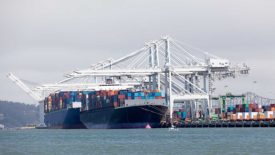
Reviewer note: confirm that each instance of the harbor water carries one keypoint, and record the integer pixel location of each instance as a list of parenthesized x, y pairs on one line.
[(186, 141)]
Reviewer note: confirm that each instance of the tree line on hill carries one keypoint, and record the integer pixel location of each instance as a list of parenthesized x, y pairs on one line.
[(14, 114)]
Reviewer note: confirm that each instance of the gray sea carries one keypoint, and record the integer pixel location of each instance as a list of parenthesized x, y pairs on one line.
[(209, 141)]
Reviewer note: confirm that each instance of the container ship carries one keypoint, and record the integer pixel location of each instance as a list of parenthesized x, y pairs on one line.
[(105, 109), (61, 113)]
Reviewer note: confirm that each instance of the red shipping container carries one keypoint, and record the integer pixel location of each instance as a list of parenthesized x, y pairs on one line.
[(121, 96)]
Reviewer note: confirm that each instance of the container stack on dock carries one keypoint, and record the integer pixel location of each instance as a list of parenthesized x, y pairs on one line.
[(236, 113), (251, 111), (181, 115), (241, 115)]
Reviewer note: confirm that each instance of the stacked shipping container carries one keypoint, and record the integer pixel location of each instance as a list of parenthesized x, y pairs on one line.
[(95, 99), (250, 112)]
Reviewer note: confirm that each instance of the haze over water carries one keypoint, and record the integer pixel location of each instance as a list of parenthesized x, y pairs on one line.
[(139, 141), (41, 40)]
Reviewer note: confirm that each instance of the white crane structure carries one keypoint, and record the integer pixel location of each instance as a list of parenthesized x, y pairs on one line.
[(165, 64), (34, 94)]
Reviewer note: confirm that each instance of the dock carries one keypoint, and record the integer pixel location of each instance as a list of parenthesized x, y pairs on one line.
[(222, 124)]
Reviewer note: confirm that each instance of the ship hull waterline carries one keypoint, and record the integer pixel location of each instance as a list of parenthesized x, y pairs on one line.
[(140, 116), (64, 119)]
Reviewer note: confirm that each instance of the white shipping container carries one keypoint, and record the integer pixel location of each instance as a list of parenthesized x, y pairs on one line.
[(253, 115), (144, 102), (76, 105), (239, 115), (245, 115), (259, 106), (268, 113)]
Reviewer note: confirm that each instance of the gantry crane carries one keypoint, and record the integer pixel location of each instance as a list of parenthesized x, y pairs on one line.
[(165, 64)]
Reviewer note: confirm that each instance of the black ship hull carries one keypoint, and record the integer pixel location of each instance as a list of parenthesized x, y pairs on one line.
[(141, 116), (64, 119)]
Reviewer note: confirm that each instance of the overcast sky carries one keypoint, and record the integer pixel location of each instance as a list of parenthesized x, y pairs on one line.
[(41, 40)]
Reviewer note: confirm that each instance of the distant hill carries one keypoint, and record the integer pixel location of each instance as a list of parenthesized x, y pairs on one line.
[(13, 114)]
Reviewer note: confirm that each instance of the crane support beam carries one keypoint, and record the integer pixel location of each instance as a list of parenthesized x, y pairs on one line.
[(25, 88), (188, 97)]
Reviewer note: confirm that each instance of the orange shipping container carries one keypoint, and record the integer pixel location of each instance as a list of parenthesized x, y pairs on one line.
[(233, 117), (111, 93), (155, 91), (261, 116)]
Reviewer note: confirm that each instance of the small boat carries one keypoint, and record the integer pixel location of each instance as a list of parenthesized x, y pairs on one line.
[(173, 128), (148, 126)]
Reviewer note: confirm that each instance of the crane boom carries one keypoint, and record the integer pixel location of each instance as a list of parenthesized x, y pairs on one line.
[(24, 87)]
